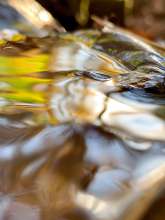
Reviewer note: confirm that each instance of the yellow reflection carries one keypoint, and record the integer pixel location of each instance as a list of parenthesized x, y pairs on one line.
[(22, 65)]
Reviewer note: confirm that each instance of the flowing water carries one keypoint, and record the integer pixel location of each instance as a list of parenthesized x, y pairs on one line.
[(82, 126)]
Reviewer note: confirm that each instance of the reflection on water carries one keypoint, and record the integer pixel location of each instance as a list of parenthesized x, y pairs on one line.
[(82, 130)]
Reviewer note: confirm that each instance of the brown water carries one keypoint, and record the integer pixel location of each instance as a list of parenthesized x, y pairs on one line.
[(82, 132)]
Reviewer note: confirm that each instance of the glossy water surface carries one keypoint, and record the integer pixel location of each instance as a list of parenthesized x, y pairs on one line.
[(82, 126)]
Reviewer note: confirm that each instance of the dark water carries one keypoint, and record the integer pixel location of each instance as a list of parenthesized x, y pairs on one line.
[(82, 130)]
